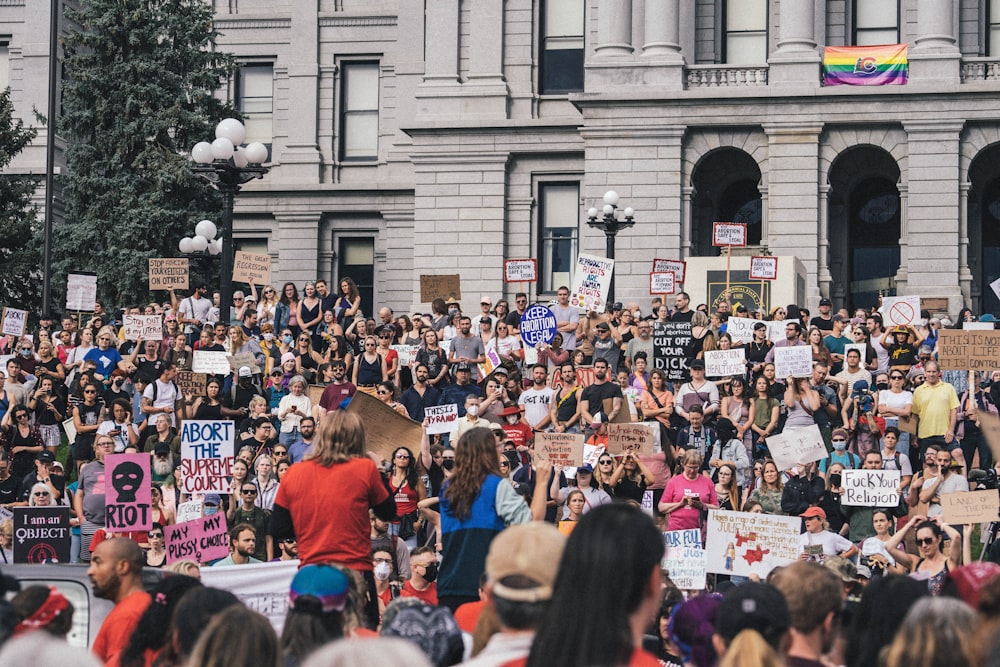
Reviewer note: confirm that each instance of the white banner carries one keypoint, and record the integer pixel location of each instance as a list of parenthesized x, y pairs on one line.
[(262, 587), (796, 446), (870, 488), (591, 282), (81, 292), (745, 543), (793, 361), (720, 363), (213, 363)]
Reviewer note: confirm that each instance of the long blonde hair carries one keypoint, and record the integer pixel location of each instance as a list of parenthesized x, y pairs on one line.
[(339, 438)]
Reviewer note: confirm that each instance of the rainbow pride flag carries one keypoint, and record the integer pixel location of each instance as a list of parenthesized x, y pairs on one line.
[(865, 65)]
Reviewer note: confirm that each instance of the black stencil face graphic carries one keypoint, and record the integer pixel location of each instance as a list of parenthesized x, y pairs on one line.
[(127, 479)]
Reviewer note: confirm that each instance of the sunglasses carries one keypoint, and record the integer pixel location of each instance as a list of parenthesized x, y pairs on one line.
[(237, 298), (402, 457), (154, 534), (90, 391), (838, 440), (895, 377), (41, 493), (249, 492), (606, 462), (925, 541), (504, 464), (383, 392)]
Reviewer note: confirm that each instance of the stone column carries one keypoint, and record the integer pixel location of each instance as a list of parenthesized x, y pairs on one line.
[(614, 28), (964, 272), (935, 55), (662, 28), (485, 92), (687, 194), (823, 273), (441, 47), (299, 158), (796, 60)]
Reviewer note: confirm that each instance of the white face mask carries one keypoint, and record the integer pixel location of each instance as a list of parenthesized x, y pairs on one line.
[(269, 336), (473, 410), (382, 571), (511, 419)]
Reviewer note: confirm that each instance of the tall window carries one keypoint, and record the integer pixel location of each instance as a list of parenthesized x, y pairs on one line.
[(993, 39), (876, 22), (4, 63), (746, 32), (255, 100), (561, 66), (559, 224), (359, 111)]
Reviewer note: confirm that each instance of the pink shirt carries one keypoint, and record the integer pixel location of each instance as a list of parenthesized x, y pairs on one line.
[(680, 486)]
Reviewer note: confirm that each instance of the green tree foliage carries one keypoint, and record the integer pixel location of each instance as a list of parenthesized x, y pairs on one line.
[(19, 256), (140, 77)]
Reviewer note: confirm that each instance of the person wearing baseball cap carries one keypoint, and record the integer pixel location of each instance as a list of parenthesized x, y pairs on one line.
[(823, 321), (753, 606), (817, 542), (485, 306)]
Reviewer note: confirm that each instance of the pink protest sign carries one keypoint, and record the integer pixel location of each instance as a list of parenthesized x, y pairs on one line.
[(204, 539), (127, 493)]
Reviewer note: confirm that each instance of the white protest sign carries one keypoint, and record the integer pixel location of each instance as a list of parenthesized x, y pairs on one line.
[(70, 427), (900, 310), (520, 271), (721, 363), (995, 286), (745, 543), (763, 268), (977, 326), (81, 292), (14, 322), (740, 329), (862, 350), (686, 567), (213, 363), (441, 418), (870, 488), (796, 446), (729, 234), (262, 587), (662, 283), (591, 282), (189, 511), (678, 267), (793, 361), (445, 346), (148, 327), (207, 455), (406, 353)]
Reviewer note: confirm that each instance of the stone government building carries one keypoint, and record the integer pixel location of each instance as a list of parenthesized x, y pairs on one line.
[(442, 136)]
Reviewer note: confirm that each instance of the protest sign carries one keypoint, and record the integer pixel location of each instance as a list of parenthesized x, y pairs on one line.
[(14, 322), (202, 540), (676, 266), (960, 508), (638, 438), (763, 268), (978, 326), (127, 493), (440, 287), (262, 587), (662, 283), (870, 488), (745, 543), (965, 350), (441, 418), (995, 286), (81, 291), (793, 361), (740, 329), (407, 353), (251, 267), (69, 426), (862, 350), (565, 449), (191, 383), (520, 271), (729, 234), (538, 325), (492, 362), (189, 511), (206, 455), (385, 429), (591, 282), (898, 310), (720, 363), (147, 327), (41, 535), (908, 424), (237, 361), (686, 566), (213, 363), (168, 273), (690, 537), (796, 446), (671, 341)]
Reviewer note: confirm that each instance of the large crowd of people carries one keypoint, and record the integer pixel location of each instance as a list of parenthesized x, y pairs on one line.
[(465, 543)]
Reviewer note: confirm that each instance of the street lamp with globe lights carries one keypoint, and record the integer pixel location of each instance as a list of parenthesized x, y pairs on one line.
[(227, 165), (610, 225)]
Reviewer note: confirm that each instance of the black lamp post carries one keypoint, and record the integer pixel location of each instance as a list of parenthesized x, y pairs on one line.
[(610, 225), (227, 166)]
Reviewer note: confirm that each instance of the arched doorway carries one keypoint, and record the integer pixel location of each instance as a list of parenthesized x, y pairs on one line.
[(865, 225), (726, 183), (984, 228)]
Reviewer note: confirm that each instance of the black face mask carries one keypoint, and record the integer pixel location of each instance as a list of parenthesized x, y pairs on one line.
[(512, 458), (431, 572), (448, 464), (245, 382), (882, 386)]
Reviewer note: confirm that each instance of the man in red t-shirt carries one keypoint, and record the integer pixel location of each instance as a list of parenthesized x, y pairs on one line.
[(424, 570), (336, 391), (116, 574)]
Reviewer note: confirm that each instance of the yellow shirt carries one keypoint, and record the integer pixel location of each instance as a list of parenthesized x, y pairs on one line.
[(934, 406)]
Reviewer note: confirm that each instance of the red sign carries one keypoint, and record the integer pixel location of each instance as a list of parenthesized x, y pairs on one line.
[(729, 234)]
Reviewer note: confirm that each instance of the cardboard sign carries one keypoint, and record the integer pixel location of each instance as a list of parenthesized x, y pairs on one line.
[(441, 418), (191, 383), (898, 310), (908, 424), (237, 361), (796, 446), (168, 273), (671, 341), (81, 291), (721, 363), (189, 511), (14, 322), (745, 543), (729, 234), (213, 363), (637, 438), (520, 271), (440, 287), (763, 268), (406, 353), (41, 534), (565, 449), (207, 455), (252, 268), (872, 488), (385, 429), (662, 283), (793, 362), (202, 540), (591, 282), (147, 327), (961, 350), (676, 266), (127, 493), (960, 508), (538, 325)]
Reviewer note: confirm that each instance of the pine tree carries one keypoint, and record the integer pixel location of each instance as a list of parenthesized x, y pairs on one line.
[(19, 222), (140, 79)]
